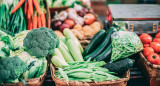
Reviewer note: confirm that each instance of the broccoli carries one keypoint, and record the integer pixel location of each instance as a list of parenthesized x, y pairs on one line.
[(11, 68), (40, 42)]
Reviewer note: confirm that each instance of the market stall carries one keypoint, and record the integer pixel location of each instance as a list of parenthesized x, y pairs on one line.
[(63, 42)]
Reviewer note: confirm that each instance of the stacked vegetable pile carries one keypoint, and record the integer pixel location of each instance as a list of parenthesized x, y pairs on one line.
[(24, 56), (151, 48), (11, 23), (79, 19), (113, 46), (71, 66), (69, 50), (86, 71)]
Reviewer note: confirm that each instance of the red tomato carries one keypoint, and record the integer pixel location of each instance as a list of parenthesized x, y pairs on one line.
[(153, 58), (156, 40), (147, 51), (89, 18), (70, 22), (155, 46), (157, 35), (145, 38), (145, 45)]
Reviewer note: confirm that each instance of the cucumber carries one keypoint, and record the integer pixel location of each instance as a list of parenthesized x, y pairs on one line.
[(102, 46), (105, 55), (98, 38), (120, 66)]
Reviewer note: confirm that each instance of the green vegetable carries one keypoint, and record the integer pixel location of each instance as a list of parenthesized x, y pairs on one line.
[(18, 38), (98, 38), (69, 35), (120, 66), (65, 52), (64, 75), (79, 70), (102, 46), (63, 38), (76, 53), (40, 42), (125, 44), (85, 71), (6, 45), (80, 75), (11, 68), (58, 62), (12, 23), (38, 68), (105, 55), (58, 53)]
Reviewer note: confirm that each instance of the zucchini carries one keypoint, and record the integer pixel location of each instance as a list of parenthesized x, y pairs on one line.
[(120, 66), (102, 46), (105, 55), (98, 38)]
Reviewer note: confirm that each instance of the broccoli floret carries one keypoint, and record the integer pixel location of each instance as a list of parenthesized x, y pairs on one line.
[(11, 68), (41, 42)]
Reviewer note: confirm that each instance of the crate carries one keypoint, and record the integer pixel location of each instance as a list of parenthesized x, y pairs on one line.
[(61, 82), (151, 71)]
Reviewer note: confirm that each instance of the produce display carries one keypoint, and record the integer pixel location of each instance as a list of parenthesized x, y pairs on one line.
[(71, 66), (79, 19), (151, 47), (25, 54), (27, 45), (11, 23)]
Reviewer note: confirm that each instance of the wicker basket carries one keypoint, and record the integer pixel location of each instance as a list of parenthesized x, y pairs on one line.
[(29, 82), (61, 82), (150, 71)]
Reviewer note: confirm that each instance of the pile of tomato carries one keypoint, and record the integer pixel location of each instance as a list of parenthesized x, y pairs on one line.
[(151, 47)]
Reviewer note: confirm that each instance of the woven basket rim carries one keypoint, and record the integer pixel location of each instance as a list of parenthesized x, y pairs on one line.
[(40, 79), (148, 63), (63, 82)]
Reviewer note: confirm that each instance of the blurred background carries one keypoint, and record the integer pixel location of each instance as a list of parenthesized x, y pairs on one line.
[(100, 6)]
